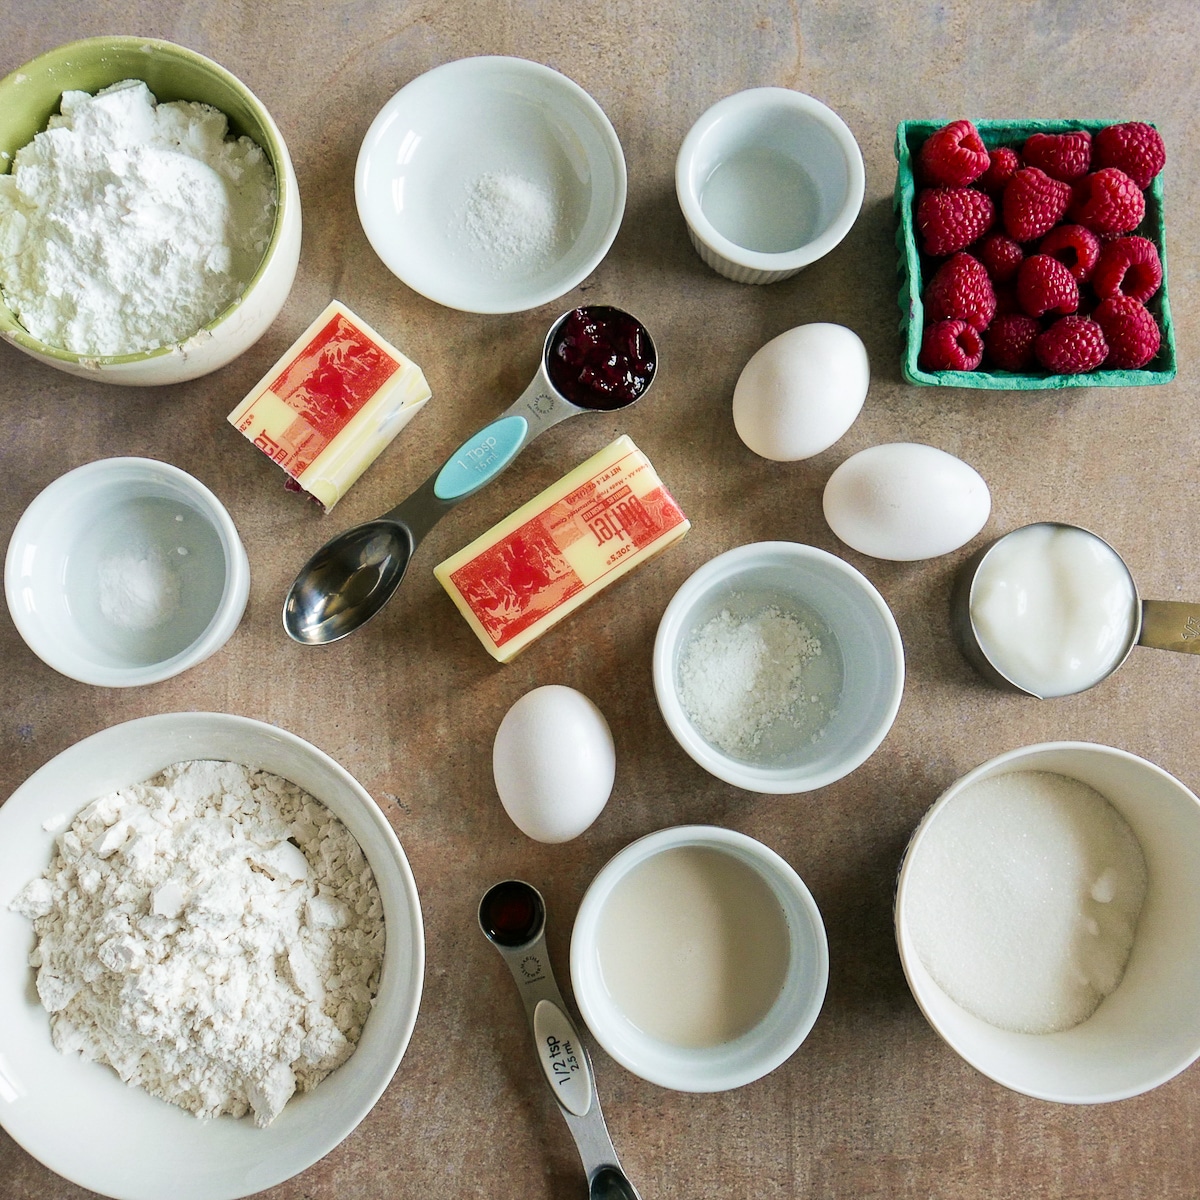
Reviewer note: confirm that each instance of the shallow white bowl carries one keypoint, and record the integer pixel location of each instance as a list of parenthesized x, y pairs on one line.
[(773, 1040), (77, 1117), (764, 165), (852, 621), (1147, 1030), (97, 512), (480, 116), (31, 94)]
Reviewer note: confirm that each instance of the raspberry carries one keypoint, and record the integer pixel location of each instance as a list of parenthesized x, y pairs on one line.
[(1045, 286), (1033, 203), (950, 219), (1070, 346), (1108, 201), (951, 346), (1129, 329), (1075, 247), (1064, 156), (954, 156), (1135, 147), (1009, 342), (1001, 255), (1128, 266), (961, 288), (1004, 164)]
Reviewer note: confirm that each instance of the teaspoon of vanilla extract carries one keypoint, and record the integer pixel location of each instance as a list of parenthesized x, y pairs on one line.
[(512, 915), (594, 359)]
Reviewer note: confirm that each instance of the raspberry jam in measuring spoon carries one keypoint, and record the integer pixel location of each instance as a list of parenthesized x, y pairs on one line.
[(594, 359)]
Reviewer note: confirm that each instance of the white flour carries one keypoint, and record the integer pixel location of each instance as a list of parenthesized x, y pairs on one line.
[(214, 934), (128, 225)]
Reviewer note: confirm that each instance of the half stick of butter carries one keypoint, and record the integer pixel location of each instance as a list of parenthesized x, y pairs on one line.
[(332, 403), (555, 553)]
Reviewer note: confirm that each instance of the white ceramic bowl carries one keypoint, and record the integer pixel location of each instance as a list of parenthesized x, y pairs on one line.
[(860, 646), (1148, 1029), (31, 94), (769, 180), (538, 137), (78, 1117), (755, 1053), (111, 547)]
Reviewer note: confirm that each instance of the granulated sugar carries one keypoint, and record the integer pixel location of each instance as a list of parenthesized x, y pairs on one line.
[(739, 676), (1024, 899), (215, 935), (511, 221)]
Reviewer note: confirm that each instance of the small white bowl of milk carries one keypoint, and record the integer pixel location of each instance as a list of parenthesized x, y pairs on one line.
[(699, 959)]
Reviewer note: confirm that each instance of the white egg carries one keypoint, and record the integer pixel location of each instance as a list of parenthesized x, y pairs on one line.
[(554, 763), (801, 391), (905, 501)]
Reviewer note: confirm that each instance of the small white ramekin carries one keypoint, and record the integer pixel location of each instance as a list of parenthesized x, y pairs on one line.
[(758, 1051), (858, 627), (49, 585), (789, 124), (1148, 1029)]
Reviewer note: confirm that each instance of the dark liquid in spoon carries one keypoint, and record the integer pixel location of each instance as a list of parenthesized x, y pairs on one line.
[(511, 913), (601, 358)]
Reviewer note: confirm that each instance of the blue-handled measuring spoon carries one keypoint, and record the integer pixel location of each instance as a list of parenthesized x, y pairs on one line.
[(512, 916), (595, 359)]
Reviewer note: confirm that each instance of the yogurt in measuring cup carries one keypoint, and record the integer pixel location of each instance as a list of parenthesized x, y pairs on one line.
[(1054, 608)]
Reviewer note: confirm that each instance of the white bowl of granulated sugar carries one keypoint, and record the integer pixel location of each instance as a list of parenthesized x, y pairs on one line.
[(246, 838), (491, 184), (778, 667), (191, 246)]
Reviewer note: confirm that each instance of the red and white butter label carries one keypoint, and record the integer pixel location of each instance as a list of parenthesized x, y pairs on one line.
[(573, 539), (324, 384)]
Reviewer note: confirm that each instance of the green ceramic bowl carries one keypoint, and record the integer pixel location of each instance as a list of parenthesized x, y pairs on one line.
[(31, 95), (912, 264)]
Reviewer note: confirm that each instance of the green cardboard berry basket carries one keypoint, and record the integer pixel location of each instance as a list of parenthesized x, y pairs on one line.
[(909, 137)]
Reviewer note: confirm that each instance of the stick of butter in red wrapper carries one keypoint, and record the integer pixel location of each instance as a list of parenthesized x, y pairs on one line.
[(332, 403), (555, 553)]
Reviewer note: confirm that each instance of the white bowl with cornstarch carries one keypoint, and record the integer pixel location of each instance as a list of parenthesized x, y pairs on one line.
[(77, 1116), (1048, 920), (778, 667), (149, 217)]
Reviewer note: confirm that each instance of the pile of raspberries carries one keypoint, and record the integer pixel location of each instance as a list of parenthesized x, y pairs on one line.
[(1038, 262)]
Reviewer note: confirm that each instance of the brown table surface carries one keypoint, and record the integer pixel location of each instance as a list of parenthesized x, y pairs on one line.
[(873, 1103)]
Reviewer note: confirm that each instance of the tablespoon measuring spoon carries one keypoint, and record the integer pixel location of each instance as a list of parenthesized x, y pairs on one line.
[(594, 359), (512, 916)]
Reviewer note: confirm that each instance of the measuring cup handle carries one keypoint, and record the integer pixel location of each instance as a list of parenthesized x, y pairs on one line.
[(1170, 625), (481, 458)]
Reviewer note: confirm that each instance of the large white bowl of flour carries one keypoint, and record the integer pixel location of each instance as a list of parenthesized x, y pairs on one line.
[(77, 1117), (1021, 894)]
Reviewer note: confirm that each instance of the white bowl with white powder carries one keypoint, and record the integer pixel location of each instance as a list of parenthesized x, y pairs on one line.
[(124, 572), (77, 1116), (180, 200), (1048, 920), (778, 667), (491, 184)]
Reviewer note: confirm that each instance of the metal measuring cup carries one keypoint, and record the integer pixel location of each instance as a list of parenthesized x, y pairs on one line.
[(1159, 624)]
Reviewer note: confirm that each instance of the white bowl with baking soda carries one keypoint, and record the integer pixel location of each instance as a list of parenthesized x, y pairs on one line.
[(699, 959), (1048, 919), (778, 667), (125, 571)]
